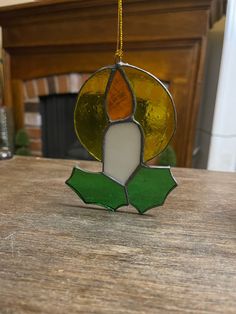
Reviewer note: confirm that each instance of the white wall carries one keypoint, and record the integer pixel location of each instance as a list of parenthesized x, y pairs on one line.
[(222, 153), (215, 41)]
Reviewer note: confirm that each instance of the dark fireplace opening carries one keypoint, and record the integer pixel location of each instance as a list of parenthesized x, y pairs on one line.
[(59, 139)]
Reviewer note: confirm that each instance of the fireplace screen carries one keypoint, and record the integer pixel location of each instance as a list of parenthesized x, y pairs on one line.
[(58, 135)]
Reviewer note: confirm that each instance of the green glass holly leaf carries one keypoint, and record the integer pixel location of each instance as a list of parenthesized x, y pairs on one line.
[(97, 188), (149, 187)]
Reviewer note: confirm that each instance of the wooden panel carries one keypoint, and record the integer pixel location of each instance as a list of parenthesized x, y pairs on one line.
[(168, 63), (147, 27), (47, 8), (18, 101)]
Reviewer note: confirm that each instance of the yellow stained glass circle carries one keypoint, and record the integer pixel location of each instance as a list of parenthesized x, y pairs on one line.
[(90, 118), (154, 111)]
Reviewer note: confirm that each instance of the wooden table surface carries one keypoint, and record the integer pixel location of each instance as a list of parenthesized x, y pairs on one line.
[(58, 255)]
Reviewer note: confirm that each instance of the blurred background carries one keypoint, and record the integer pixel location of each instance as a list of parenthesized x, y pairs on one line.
[(49, 48)]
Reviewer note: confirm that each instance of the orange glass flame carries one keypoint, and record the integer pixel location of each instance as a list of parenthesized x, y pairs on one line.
[(119, 98)]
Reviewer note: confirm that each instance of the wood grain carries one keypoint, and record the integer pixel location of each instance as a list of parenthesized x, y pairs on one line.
[(58, 255), (18, 101)]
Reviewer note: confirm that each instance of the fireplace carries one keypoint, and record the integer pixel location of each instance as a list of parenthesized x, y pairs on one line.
[(59, 139), (48, 116), (45, 38)]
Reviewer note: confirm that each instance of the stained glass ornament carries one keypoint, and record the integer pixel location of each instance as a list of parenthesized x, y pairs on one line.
[(124, 116), (155, 110)]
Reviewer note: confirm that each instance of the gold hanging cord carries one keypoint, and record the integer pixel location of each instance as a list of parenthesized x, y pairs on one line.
[(119, 46)]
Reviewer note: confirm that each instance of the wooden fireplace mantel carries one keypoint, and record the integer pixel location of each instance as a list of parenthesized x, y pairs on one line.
[(165, 37)]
